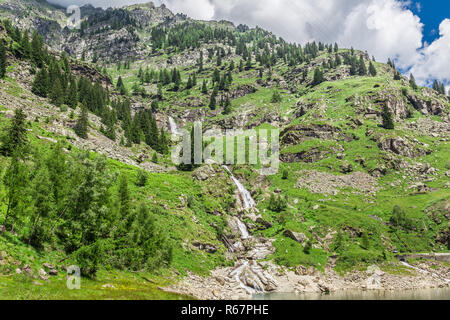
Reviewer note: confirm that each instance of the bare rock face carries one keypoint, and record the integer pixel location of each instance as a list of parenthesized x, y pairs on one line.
[(308, 156), (297, 134), (401, 147)]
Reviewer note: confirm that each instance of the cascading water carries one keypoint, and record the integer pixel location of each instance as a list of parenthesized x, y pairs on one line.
[(173, 126), (248, 274), (247, 199)]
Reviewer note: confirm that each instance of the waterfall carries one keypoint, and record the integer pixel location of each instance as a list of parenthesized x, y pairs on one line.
[(173, 126), (243, 229), (245, 194)]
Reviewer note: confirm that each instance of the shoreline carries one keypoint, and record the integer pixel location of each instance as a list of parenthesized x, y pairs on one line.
[(222, 286)]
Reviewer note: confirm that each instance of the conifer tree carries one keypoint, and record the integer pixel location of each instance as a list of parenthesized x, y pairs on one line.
[(41, 83), (318, 77), (81, 128), (388, 121), (412, 82), (204, 87), (362, 70), (57, 93), (3, 60), (372, 70), (15, 140)]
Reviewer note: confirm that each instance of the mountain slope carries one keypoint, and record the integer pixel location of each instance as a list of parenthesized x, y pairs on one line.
[(351, 191)]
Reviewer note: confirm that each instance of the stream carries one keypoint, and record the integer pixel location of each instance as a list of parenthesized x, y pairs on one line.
[(173, 126), (247, 272)]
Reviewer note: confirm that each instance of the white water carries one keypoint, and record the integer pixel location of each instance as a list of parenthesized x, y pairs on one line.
[(243, 229), (248, 275), (246, 197), (173, 126)]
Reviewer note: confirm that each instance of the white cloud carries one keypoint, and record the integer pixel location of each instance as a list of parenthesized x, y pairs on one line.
[(434, 61), (197, 9), (385, 28)]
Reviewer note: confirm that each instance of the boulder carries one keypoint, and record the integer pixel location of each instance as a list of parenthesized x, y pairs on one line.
[(299, 237), (204, 173)]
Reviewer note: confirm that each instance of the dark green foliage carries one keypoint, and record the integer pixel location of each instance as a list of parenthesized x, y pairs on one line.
[(276, 97), (308, 246), (318, 77), (277, 203), (121, 87), (41, 83), (388, 118), (372, 70), (412, 82), (81, 128), (362, 70), (401, 220), (142, 178), (14, 141), (285, 175), (3, 60), (439, 87)]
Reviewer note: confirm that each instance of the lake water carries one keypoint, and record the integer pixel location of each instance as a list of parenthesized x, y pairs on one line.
[(424, 294)]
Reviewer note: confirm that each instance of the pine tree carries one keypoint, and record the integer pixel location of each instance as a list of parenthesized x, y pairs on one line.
[(372, 70), (3, 60), (318, 77), (388, 121), (81, 128), (362, 70), (41, 83), (57, 93), (204, 87), (227, 106), (212, 101), (412, 82), (71, 95), (121, 87), (15, 141)]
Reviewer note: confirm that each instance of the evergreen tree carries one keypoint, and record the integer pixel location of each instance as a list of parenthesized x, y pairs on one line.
[(212, 101), (372, 70), (3, 60), (71, 95), (121, 87), (41, 83), (15, 141), (412, 82), (362, 70), (388, 121), (57, 93), (81, 128), (204, 87), (318, 77)]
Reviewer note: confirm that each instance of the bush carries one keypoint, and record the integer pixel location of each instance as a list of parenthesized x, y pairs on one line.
[(276, 97), (142, 178), (277, 203), (285, 174), (400, 219)]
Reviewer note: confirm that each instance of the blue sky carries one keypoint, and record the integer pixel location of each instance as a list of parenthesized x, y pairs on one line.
[(431, 13)]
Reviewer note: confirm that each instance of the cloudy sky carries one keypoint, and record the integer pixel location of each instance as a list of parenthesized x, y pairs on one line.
[(415, 33)]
